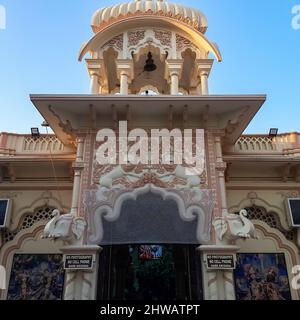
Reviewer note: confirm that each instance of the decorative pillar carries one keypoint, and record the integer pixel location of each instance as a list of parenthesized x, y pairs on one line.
[(221, 167), (229, 285), (174, 83), (78, 167), (100, 86), (81, 284), (97, 74), (218, 280), (204, 83), (204, 67), (212, 285), (124, 83), (199, 89), (125, 74), (173, 74), (94, 87)]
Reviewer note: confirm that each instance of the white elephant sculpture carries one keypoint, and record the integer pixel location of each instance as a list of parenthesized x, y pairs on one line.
[(66, 227), (233, 226)]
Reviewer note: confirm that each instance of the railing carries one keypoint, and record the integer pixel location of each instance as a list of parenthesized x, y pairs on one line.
[(14, 144), (284, 144), (255, 144), (43, 144)]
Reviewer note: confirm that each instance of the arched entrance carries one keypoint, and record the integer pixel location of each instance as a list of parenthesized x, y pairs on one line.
[(149, 238)]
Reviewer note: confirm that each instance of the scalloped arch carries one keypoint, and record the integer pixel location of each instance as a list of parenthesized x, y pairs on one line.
[(195, 36)]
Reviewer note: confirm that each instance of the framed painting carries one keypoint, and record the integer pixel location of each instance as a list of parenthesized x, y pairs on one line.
[(36, 277), (261, 276)]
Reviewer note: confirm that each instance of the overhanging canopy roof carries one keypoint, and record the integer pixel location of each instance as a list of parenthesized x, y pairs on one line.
[(67, 114)]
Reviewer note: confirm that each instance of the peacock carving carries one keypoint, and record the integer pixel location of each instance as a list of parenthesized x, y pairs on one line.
[(234, 226)]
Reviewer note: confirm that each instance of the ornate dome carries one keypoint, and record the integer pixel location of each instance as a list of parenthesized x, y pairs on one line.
[(109, 15)]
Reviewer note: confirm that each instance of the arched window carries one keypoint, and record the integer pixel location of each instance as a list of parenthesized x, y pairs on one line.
[(271, 219)]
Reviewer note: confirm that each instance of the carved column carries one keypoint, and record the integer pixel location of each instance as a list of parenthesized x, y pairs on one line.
[(125, 74), (212, 285), (97, 74), (78, 167), (82, 284), (174, 83), (204, 67), (173, 74), (94, 87), (221, 167), (229, 285), (124, 83), (204, 83), (218, 283)]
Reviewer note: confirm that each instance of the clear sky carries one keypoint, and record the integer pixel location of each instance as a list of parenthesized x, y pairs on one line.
[(261, 55)]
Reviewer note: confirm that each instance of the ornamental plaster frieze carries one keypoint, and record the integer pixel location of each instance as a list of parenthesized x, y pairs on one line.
[(147, 38), (135, 176), (107, 204), (116, 43), (135, 37)]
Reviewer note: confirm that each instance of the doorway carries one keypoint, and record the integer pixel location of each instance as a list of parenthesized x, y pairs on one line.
[(150, 272)]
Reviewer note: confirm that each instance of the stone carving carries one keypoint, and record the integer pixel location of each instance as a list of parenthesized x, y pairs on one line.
[(106, 204), (143, 177), (233, 226), (134, 37), (131, 176), (116, 42), (182, 42), (164, 37), (65, 227)]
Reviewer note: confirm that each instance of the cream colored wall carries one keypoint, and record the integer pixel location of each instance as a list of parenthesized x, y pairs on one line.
[(29, 240), (24, 202), (270, 239), (271, 200)]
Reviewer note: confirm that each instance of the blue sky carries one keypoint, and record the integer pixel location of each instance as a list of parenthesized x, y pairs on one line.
[(261, 55)]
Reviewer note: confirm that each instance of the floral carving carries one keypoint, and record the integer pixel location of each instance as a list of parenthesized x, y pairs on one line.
[(164, 37), (116, 42), (134, 37), (182, 42)]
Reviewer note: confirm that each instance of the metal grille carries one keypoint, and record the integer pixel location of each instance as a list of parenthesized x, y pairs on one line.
[(271, 219), (42, 214)]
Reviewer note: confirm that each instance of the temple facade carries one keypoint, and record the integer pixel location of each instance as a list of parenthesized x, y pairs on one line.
[(83, 219)]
